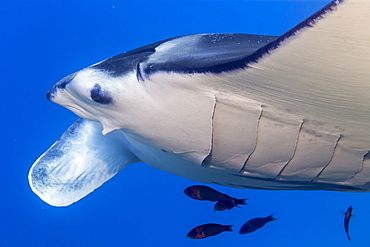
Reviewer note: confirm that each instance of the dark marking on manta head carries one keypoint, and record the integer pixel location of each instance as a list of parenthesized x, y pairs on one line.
[(60, 85), (98, 95)]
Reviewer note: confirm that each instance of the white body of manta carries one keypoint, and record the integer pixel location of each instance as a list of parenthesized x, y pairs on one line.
[(248, 111)]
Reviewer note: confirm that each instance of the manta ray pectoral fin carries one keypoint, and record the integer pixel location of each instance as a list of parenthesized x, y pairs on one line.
[(78, 163)]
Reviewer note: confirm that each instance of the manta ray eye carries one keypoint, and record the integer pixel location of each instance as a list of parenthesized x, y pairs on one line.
[(100, 96)]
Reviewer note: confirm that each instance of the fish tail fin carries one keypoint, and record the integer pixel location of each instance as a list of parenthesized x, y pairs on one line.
[(240, 201), (271, 217), (229, 228)]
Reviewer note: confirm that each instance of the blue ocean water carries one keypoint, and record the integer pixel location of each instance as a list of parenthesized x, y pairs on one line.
[(42, 41)]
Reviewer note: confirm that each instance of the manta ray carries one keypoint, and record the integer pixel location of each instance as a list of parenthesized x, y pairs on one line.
[(289, 112)]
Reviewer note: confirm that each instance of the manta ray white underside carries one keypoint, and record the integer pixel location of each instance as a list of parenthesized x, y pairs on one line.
[(248, 111)]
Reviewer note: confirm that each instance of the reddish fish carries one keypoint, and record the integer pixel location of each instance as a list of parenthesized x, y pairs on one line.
[(254, 224), (207, 230), (347, 217), (229, 204), (205, 193)]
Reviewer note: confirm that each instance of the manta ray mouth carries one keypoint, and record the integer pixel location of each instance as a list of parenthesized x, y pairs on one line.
[(81, 112)]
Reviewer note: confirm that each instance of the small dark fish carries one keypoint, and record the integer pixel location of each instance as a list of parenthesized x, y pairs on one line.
[(254, 224), (207, 230), (347, 217), (205, 193), (229, 204)]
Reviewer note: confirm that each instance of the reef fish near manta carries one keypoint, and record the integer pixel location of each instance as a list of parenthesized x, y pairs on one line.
[(249, 111)]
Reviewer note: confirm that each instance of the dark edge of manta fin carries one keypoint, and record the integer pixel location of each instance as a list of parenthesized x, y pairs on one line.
[(307, 23), (137, 59), (229, 64), (207, 53), (122, 63)]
